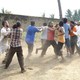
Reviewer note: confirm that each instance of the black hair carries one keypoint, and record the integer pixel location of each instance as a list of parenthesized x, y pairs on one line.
[(3, 23), (61, 23), (65, 20), (18, 24), (32, 23), (14, 26), (44, 24), (72, 22)]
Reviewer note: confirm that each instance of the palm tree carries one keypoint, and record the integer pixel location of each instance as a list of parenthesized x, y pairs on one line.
[(60, 10)]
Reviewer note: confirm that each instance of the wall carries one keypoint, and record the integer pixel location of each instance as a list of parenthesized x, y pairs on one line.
[(25, 19)]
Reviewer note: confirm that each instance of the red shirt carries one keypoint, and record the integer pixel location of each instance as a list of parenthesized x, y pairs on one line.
[(50, 35)]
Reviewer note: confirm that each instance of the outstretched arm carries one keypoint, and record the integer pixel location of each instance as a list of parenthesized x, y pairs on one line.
[(52, 29)]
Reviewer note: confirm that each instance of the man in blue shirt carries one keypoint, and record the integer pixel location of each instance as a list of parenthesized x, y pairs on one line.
[(30, 35), (67, 36)]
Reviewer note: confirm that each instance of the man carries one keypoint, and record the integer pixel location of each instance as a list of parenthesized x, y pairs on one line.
[(4, 41), (30, 36), (50, 40), (67, 36), (73, 37), (61, 40), (15, 46), (43, 36), (77, 33)]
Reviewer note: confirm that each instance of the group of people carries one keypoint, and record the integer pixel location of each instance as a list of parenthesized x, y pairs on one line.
[(67, 33), (14, 46)]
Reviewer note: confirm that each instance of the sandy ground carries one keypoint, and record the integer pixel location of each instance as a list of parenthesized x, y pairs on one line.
[(46, 68)]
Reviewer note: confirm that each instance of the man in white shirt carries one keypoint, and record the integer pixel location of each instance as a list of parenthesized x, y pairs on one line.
[(43, 36), (4, 42)]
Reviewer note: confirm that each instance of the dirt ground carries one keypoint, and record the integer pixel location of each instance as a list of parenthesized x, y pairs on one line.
[(46, 68)]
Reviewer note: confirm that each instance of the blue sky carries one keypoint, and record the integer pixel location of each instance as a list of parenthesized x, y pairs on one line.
[(38, 7)]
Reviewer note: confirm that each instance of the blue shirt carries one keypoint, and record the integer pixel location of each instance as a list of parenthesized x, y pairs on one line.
[(67, 28), (31, 30)]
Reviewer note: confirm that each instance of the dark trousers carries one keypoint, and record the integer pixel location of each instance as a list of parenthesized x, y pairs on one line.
[(73, 43), (59, 48), (30, 48), (18, 51), (78, 49), (47, 44), (6, 56)]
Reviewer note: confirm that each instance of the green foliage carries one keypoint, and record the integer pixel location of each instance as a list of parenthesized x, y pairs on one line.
[(73, 15), (5, 14), (5, 11), (52, 16), (79, 14), (69, 14)]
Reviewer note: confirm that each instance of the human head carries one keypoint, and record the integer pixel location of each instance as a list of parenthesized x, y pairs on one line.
[(5, 23), (65, 20), (50, 24), (44, 24), (72, 23), (14, 26), (32, 23), (18, 24), (61, 23)]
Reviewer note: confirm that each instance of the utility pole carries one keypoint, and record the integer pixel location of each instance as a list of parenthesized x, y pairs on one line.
[(60, 9)]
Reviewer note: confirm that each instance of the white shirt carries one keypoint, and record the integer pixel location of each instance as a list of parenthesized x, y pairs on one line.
[(78, 35), (44, 32), (4, 44)]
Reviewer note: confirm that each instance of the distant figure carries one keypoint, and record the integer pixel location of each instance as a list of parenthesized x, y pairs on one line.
[(4, 41), (43, 36), (61, 40), (67, 36), (50, 40), (30, 36), (15, 46)]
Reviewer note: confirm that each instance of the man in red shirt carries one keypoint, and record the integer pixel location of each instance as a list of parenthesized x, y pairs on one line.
[(50, 39)]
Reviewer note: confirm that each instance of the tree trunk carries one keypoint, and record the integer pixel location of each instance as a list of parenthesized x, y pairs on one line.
[(60, 10)]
